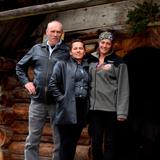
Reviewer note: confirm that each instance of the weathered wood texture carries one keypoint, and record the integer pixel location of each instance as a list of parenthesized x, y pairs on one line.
[(6, 64), (17, 149), (45, 151), (105, 16), (14, 120), (13, 137), (50, 8), (6, 116), (128, 44), (6, 134)]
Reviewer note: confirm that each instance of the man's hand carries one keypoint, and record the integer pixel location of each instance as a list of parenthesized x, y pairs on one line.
[(30, 88)]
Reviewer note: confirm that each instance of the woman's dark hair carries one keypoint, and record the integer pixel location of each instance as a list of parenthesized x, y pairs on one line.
[(76, 40)]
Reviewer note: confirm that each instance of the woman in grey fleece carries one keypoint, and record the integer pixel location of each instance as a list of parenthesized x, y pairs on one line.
[(109, 97)]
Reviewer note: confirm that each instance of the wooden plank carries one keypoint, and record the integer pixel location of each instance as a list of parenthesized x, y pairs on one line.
[(6, 64), (50, 8), (5, 154), (101, 16), (82, 152), (5, 135), (6, 116), (21, 157), (21, 127), (21, 93), (111, 16), (22, 137), (21, 110), (18, 148)]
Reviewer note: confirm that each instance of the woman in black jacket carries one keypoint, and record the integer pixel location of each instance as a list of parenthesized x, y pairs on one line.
[(69, 85)]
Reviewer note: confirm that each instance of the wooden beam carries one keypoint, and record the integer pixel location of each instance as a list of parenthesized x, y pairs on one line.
[(111, 16), (50, 8)]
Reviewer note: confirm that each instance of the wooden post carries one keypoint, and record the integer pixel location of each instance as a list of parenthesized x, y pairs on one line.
[(50, 8)]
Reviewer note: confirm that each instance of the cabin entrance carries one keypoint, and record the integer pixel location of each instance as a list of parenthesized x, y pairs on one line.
[(139, 139)]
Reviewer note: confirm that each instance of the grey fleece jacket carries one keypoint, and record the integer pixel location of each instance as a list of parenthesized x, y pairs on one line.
[(109, 85)]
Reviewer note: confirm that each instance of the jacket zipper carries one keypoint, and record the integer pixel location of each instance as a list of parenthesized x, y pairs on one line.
[(95, 85), (46, 83)]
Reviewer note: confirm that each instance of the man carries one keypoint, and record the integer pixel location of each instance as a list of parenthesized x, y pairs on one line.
[(42, 57)]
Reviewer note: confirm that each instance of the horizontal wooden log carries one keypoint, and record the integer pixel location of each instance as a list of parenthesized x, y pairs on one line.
[(50, 8), (21, 127), (90, 48), (48, 139), (111, 16), (19, 137), (108, 16), (46, 149), (21, 157), (84, 141), (5, 135), (16, 156), (84, 138), (151, 40), (21, 93), (22, 138), (21, 110), (9, 83), (5, 154), (7, 64), (7, 115), (82, 152), (18, 148)]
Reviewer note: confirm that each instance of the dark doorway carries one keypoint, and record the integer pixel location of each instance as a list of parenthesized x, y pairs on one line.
[(140, 138)]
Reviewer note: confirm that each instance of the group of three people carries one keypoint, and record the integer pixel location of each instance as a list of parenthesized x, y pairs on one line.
[(75, 90)]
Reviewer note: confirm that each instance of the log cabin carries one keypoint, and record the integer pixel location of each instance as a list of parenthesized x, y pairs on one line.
[(22, 24)]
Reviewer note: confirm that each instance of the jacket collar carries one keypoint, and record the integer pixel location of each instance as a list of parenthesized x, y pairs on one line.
[(60, 44), (96, 54), (108, 56), (83, 63)]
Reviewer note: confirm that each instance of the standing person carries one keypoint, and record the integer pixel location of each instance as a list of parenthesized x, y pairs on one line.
[(109, 97), (69, 85), (42, 57)]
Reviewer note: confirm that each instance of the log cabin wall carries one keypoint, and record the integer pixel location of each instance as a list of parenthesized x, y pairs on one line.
[(14, 100)]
